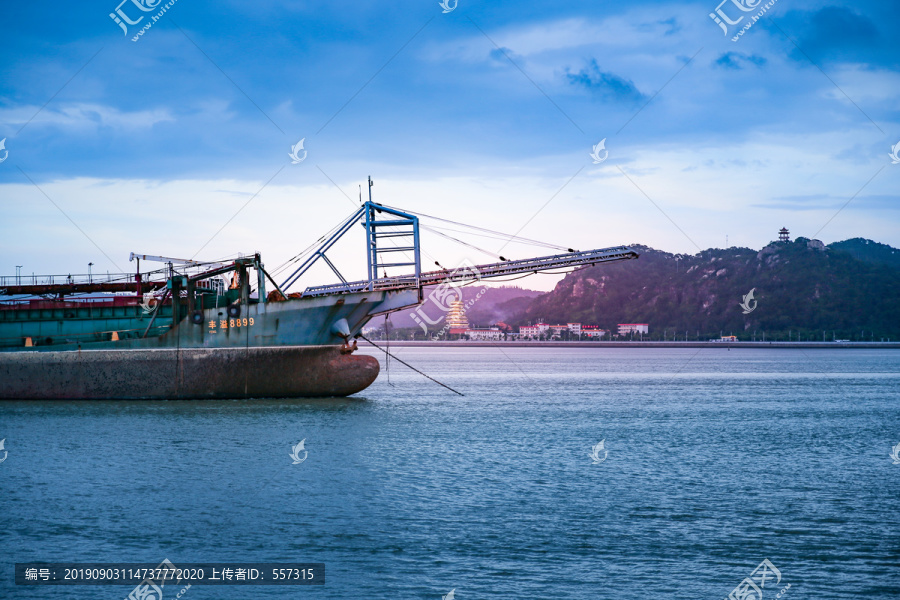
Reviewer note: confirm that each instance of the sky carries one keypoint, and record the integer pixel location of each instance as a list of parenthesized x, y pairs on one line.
[(175, 139)]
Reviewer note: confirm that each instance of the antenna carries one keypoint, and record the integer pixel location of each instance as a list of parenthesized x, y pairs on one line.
[(371, 183)]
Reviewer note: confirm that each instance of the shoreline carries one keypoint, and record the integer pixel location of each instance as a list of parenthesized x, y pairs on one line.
[(586, 344)]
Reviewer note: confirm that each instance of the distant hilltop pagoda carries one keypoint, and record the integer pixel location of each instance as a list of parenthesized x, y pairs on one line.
[(456, 317), (784, 235)]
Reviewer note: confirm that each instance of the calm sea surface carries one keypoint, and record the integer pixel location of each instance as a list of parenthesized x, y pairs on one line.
[(716, 461)]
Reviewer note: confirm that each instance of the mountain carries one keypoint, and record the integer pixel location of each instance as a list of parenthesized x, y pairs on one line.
[(850, 289), (869, 251)]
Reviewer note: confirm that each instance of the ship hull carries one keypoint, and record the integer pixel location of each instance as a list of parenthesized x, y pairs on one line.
[(196, 373), (285, 349)]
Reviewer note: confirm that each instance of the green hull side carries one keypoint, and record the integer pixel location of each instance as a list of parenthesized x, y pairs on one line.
[(294, 322)]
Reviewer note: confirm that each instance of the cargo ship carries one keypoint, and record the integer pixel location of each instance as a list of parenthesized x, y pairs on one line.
[(193, 330)]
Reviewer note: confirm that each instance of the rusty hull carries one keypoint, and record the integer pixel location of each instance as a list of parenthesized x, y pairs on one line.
[(211, 373)]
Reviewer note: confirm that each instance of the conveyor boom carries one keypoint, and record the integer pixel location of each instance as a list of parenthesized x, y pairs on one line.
[(474, 272)]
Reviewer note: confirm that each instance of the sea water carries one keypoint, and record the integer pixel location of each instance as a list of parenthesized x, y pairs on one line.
[(713, 461)]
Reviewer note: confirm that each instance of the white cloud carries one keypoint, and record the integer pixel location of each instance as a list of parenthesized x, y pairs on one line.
[(866, 85), (80, 116), (635, 40), (744, 190)]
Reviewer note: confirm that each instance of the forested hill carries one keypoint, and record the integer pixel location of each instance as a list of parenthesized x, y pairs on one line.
[(850, 289), (869, 251)]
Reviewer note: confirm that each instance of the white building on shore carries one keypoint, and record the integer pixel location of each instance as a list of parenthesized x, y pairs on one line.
[(626, 328), (533, 331), (491, 334), (593, 331), (576, 329)]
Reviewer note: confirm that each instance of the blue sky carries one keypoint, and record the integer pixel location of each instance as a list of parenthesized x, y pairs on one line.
[(486, 114)]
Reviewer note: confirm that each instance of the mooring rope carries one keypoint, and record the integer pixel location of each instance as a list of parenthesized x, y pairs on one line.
[(387, 343), (410, 366)]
